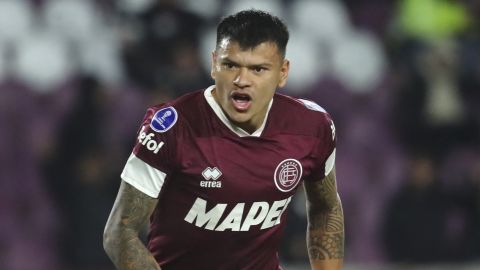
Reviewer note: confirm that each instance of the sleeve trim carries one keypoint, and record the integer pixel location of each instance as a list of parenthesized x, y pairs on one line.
[(143, 177), (330, 162)]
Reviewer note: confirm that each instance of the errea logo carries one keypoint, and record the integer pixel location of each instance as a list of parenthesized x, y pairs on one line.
[(211, 175), (332, 127)]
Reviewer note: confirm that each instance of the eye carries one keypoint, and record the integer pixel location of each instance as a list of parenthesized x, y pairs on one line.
[(259, 69), (229, 65)]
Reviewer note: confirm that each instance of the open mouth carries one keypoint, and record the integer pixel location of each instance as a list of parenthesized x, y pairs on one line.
[(241, 101)]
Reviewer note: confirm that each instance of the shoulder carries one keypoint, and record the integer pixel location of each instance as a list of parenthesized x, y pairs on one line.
[(182, 103), (182, 109), (300, 105), (301, 115)]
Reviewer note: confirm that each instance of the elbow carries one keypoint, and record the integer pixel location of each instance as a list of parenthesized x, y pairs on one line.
[(108, 238), (115, 239)]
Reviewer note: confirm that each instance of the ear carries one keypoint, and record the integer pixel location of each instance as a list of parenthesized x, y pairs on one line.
[(214, 60), (284, 73)]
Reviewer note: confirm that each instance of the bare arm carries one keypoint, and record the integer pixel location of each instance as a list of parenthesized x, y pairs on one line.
[(121, 241), (325, 232)]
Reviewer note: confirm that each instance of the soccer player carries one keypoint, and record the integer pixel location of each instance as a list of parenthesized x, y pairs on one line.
[(216, 169)]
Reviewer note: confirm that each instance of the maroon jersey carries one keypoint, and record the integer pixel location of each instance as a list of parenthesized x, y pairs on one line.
[(222, 193)]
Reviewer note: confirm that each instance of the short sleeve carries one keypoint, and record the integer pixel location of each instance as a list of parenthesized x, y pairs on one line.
[(154, 154), (325, 151)]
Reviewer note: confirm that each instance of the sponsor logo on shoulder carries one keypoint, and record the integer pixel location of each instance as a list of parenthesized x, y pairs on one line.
[(288, 174), (164, 119), (211, 175), (148, 141)]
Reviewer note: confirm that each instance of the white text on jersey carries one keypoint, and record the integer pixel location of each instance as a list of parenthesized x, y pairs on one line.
[(259, 213), (211, 175), (146, 140)]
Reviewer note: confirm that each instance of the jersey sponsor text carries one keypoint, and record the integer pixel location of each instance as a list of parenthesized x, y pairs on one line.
[(264, 213), (148, 141)]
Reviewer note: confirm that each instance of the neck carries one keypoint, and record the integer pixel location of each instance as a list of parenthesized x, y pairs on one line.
[(254, 123), (247, 126)]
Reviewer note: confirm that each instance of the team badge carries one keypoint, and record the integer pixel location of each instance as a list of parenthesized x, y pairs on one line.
[(288, 174), (164, 119)]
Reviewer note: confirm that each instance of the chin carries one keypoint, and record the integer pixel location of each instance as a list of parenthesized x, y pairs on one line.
[(239, 118)]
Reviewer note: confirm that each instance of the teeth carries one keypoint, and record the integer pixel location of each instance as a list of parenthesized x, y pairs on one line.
[(241, 97), (241, 101)]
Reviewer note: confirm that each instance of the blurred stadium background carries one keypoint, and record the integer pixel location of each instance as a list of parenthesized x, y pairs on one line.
[(401, 79)]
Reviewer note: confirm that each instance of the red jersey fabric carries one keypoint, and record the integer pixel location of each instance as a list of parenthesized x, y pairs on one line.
[(222, 195)]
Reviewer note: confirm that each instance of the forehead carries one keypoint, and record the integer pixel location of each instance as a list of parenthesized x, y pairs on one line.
[(263, 52)]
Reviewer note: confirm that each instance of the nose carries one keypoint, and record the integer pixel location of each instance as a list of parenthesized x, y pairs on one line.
[(242, 79)]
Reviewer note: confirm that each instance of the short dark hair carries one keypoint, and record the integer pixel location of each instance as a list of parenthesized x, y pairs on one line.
[(251, 27)]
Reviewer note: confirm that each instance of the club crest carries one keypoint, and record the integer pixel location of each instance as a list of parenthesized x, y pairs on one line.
[(288, 174)]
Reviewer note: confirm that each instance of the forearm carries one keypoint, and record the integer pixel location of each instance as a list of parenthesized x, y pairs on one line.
[(121, 237), (325, 237), (128, 252)]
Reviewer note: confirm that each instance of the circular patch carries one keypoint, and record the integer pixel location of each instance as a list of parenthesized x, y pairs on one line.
[(288, 174), (164, 119)]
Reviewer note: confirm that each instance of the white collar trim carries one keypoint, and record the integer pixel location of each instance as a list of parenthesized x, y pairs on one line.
[(220, 114)]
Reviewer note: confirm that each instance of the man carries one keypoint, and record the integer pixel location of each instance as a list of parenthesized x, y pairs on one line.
[(215, 170)]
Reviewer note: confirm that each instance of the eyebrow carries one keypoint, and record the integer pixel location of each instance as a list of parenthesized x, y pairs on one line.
[(230, 61)]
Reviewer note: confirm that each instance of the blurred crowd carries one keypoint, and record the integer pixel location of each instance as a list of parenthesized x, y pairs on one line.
[(401, 80)]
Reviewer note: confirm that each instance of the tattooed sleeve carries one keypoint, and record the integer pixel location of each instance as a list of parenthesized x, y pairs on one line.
[(129, 215), (325, 234)]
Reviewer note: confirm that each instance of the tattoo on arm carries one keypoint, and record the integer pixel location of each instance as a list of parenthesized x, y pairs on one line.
[(325, 234), (129, 215)]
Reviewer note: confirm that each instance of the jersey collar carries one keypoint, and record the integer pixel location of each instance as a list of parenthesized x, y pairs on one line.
[(220, 114)]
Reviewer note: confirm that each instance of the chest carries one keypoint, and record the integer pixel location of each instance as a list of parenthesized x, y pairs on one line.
[(225, 169)]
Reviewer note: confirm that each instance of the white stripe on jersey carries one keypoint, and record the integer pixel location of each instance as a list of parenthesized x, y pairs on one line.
[(312, 105), (330, 162), (143, 177)]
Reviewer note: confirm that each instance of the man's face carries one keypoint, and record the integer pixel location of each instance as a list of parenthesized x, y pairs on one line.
[(246, 80)]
